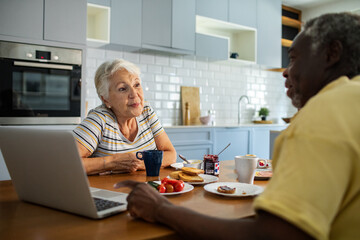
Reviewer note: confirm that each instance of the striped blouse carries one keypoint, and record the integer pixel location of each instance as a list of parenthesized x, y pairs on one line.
[(99, 132)]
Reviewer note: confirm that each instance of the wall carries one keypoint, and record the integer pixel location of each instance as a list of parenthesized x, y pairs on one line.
[(221, 84), (332, 7)]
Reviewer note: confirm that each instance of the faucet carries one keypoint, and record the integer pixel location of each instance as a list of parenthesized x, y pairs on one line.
[(239, 106)]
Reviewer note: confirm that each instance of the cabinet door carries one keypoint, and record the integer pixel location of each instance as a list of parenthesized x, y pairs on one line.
[(217, 9), (194, 152), (65, 21), (183, 24), (239, 139), (260, 144), (269, 32), (156, 22), (243, 12), (20, 18), (125, 24), (216, 48)]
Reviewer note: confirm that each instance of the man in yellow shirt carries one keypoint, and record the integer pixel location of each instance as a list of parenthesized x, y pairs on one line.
[(315, 189)]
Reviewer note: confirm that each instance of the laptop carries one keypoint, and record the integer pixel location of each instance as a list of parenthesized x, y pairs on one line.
[(46, 169)]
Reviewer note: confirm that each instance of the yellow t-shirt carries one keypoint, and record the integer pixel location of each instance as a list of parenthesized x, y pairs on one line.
[(316, 175)]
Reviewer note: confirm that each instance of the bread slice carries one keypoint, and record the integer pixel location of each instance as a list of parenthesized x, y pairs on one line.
[(175, 175), (190, 178), (192, 171), (226, 189)]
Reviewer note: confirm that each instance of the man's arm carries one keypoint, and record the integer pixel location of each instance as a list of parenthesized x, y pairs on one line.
[(145, 203)]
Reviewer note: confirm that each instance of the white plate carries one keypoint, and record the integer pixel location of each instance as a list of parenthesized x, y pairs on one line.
[(187, 188), (207, 179), (177, 165), (242, 189)]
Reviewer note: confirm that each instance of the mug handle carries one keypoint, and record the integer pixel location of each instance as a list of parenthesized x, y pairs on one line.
[(137, 156)]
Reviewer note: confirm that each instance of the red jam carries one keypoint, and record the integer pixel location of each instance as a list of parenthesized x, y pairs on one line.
[(211, 164)]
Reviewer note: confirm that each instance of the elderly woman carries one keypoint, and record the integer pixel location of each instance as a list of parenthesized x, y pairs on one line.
[(109, 137)]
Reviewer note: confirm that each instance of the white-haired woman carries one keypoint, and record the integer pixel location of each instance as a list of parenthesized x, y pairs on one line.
[(109, 137)]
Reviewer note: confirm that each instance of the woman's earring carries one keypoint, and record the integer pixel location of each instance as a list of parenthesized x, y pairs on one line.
[(109, 106)]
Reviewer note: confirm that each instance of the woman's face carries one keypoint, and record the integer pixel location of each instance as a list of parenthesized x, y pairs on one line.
[(126, 97)]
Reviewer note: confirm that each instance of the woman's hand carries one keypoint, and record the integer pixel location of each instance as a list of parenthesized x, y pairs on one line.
[(126, 162), (143, 201)]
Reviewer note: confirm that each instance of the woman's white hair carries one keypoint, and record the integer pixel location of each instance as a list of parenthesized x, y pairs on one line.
[(106, 70)]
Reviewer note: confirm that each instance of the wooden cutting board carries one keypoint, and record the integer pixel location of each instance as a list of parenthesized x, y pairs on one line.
[(192, 96)]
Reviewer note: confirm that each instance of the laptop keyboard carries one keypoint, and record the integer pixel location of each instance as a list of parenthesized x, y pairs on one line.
[(102, 204)]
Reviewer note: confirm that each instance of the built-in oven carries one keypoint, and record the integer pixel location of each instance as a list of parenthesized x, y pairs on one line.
[(39, 84)]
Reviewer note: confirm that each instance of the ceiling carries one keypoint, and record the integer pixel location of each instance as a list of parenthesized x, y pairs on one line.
[(304, 4)]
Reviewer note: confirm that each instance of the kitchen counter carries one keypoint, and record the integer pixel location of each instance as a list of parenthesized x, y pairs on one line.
[(243, 125)]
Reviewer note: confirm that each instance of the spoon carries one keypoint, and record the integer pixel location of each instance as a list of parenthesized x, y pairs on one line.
[(184, 158), (224, 149)]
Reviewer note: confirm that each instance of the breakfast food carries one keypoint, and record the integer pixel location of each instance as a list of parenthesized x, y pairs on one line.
[(190, 178), (168, 185), (226, 189), (188, 174), (192, 171), (175, 175)]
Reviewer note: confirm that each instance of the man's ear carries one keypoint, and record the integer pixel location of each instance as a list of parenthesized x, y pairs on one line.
[(334, 52)]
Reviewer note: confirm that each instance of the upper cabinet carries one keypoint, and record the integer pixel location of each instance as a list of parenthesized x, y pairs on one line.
[(269, 33), (168, 25), (45, 20), (216, 9), (65, 21), (125, 25), (243, 12), (22, 19), (220, 40)]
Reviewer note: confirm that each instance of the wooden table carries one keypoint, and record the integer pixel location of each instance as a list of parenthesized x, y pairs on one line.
[(20, 220)]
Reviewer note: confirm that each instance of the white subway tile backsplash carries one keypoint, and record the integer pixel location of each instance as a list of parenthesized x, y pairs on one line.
[(154, 69), (169, 70), (221, 84), (147, 59), (132, 57), (162, 60)]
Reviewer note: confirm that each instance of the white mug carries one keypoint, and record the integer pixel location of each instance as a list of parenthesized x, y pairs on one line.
[(245, 168)]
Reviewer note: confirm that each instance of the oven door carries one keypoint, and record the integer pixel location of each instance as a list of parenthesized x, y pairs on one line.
[(39, 93)]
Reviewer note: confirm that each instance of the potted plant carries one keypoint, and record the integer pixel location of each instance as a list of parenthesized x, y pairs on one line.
[(263, 113)]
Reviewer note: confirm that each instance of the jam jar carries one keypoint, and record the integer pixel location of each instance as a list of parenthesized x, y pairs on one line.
[(211, 164)]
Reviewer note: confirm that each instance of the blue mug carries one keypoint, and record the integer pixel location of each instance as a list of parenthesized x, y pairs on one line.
[(152, 160)]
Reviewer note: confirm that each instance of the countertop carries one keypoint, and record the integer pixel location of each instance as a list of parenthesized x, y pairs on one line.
[(245, 125)]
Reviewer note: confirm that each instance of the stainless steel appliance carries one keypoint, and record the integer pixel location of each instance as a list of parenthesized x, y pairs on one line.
[(39, 84)]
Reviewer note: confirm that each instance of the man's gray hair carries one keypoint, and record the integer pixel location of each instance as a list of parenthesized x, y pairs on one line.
[(106, 70), (344, 27)]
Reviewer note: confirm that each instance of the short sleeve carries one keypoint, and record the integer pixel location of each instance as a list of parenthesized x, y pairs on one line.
[(89, 132)]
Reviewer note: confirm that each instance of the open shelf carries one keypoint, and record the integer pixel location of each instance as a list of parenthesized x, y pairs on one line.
[(290, 22), (242, 40), (98, 23), (286, 42)]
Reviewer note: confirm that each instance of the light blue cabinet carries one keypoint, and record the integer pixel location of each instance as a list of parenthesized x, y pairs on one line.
[(217, 9), (65, 21), (22, 19), (169, 25), (193, 143), (215, 48), (239, 139), (125, 22), (52, 20), (243, 12), (269, 33)]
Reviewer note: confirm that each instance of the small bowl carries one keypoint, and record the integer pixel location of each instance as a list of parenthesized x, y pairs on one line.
[(205, 119), (194, 164)]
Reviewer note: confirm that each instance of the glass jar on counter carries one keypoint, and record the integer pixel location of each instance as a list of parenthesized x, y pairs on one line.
[(211, 164)]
